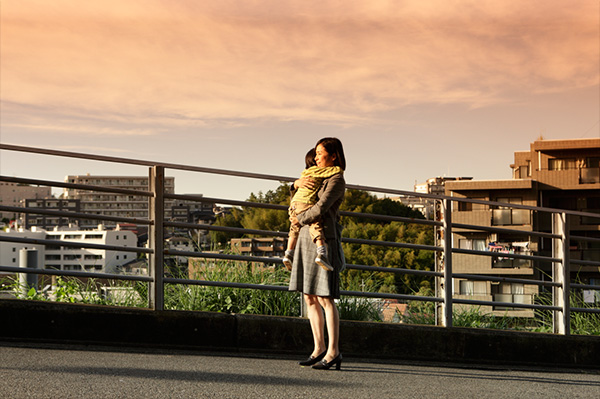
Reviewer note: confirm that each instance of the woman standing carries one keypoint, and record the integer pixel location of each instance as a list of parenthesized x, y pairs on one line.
[(321, 287)]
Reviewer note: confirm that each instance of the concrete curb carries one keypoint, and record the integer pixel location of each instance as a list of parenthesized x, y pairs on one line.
[(32, 321)]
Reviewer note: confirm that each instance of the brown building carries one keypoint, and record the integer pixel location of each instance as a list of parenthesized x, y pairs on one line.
[(14, 194), (563, 174), (262, 247)]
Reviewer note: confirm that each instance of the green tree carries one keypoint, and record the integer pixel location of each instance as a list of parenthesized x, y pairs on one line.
[(385, 256), (231, 219), (268, 219)]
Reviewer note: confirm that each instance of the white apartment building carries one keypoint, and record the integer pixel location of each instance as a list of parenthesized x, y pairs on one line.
[(114, 204), (435, 186), (70, 258)]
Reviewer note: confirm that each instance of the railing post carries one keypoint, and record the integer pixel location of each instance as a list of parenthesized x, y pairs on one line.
[(561, 274), (156, 213), (447, 264)]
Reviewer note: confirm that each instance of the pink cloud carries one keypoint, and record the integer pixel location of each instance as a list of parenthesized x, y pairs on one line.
[(196, 62)]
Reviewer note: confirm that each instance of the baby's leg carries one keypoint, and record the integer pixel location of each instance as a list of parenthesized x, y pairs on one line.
[(292, 241)]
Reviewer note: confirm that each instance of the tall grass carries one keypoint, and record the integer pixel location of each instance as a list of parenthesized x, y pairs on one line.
[(88, 291), (360, 308), (235, 300), (582, 323)]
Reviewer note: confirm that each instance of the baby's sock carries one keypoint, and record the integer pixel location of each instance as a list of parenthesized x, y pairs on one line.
[(322, 251)]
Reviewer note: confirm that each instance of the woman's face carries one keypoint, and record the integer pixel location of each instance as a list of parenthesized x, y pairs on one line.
[(323, 158)]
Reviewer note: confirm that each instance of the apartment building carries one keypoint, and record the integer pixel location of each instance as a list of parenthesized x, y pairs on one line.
[(49, 222), (263, 247), (12, 194), (114, 204), (562, 174), (435, 186)]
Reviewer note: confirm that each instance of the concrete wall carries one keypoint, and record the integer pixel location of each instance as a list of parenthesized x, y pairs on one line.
[(30, 321)]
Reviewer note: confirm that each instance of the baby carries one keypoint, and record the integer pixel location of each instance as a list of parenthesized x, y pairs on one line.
[(303, 199)]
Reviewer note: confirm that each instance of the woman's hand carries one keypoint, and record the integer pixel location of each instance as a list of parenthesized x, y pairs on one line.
[(305, 182)]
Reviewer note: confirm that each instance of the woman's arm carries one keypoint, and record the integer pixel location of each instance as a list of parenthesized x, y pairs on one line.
[(334, 190)]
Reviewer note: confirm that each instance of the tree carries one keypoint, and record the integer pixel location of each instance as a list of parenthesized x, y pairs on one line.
[(385, 256), (227, 219), (255, 218), (268, 219)]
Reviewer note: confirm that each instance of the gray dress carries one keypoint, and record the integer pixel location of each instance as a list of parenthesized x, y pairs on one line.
[(308, 277)]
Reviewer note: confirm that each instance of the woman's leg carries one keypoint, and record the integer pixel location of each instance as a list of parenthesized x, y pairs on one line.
[(333, 327), (317, 322)]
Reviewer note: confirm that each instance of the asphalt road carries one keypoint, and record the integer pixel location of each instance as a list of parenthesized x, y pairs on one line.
[(43, 371)]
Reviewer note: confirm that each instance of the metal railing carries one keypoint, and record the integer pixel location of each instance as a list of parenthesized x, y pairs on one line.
[(446, 297)]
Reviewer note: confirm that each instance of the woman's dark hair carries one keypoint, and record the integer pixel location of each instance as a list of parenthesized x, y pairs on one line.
[(334, 146), (309, 159)]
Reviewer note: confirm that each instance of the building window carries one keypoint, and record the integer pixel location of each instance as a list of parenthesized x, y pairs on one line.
[(93, 236), (472, 244), (561, 164), (592, 296), (510, 293), (473, 287)]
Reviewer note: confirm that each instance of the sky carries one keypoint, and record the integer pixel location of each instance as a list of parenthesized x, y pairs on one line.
[(414, 89)]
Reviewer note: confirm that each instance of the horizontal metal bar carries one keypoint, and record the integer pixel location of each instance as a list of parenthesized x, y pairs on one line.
[(505, 255), (240, 230), (74, 215), (139, 162), (470, 200), (585, 262), (402, 297), (527, 207), (586, 310), (74, 244), (265, 287), (209, 255), (479, 277), (392, 244), (401, 193), (76, 186), (395, 270), (390, 218), (501, 230), (285, 234), (285, 208), (54, 272), (585, 286), (505, 304), (198, 198), (582, 238)]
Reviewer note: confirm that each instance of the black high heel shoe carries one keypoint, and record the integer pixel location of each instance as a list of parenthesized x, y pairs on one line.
[(323, 365), (312, 360)]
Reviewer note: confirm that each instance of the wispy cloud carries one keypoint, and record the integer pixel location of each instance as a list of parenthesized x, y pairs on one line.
[(187, 63)]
